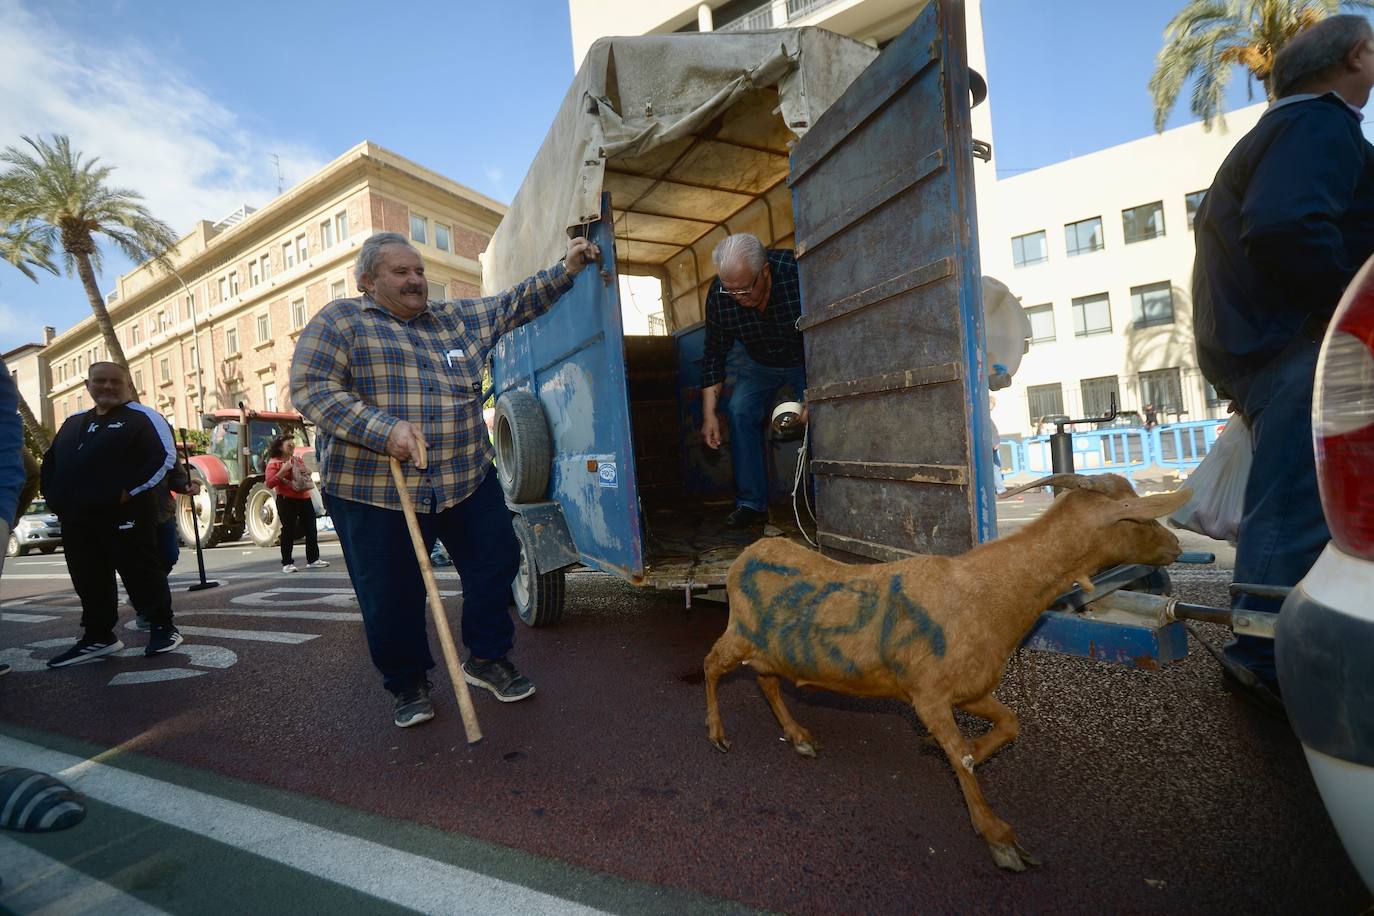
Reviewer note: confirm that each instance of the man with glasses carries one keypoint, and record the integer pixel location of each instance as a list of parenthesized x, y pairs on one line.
[(756, 300)]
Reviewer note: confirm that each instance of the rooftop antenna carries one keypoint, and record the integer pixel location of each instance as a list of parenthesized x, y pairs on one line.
[(276, 160)]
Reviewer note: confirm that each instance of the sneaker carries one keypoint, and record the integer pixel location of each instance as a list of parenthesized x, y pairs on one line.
[(499, 676), (413, 707), (316, 564), (289, 568), (141, 623), (4, 669), (744, 517), (86, 649), (163, 639)]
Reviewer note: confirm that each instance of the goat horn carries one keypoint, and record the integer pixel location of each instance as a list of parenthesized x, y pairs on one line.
[(1066, 481)]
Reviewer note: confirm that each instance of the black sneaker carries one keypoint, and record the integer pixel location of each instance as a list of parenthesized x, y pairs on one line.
[(87, 648), (413, 707), (499, 676), (163, 639), (744, 517)]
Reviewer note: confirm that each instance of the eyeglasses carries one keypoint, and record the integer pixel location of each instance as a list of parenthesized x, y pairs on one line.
[(746, 290)]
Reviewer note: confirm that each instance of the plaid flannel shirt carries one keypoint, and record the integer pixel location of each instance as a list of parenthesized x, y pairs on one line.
[(770, 337), (358, 370)]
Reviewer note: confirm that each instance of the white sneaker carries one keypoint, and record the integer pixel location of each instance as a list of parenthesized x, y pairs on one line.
[(318, 564), (289, 568)]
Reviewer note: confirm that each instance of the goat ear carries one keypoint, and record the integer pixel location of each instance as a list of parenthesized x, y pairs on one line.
[(1145, 508)]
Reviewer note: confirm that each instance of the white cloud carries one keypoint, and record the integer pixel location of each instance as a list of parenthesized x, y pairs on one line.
[(496, 179), (189, 156), (18, 324)]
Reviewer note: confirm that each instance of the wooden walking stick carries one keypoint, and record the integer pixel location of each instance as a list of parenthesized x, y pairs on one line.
[(436, 604)]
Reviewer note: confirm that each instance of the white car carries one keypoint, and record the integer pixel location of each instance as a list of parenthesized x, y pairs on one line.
[(1324, 639), (38, 529)]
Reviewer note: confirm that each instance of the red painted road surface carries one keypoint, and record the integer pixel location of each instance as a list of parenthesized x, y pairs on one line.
[(1140, 792)]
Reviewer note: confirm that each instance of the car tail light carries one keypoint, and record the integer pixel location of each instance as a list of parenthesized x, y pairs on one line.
[(1343, 419)]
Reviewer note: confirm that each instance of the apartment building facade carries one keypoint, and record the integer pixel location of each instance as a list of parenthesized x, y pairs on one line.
[(28, 366), (221, 327)]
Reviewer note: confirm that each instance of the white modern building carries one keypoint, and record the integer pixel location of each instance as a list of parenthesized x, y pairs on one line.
[(1098, 248)]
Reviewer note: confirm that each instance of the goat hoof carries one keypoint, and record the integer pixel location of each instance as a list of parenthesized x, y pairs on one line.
[(1011, 856), (805, 748), (721, 744)]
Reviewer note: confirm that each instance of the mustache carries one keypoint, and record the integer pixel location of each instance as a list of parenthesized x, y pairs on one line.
[(412, 288)]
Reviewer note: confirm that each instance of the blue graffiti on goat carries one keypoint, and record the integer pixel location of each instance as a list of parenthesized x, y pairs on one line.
[(900, 610)]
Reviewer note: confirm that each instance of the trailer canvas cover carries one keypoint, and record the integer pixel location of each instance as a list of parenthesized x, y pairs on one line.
[(660, 105)]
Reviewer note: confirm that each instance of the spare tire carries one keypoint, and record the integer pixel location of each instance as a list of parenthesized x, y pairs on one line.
[(523, 450)]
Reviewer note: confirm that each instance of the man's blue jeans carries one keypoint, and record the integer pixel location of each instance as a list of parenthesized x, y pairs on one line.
[(751, 403), (386, 577), (1283, 530)]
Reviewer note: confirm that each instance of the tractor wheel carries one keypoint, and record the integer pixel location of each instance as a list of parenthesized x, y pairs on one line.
[(260, 516), (538, 596), (198, 510), (523, 451)]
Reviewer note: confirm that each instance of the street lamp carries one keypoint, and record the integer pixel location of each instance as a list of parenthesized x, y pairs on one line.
[(195, 341)]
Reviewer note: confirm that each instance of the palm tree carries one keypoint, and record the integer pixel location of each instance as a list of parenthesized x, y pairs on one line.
[(65, 200), (1208, 38), (23, 246)]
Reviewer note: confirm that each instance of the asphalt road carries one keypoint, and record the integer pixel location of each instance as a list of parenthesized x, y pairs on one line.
[(258, 770)]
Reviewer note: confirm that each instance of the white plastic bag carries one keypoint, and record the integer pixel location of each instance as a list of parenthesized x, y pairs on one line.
[(1218, 485), (317, 502)]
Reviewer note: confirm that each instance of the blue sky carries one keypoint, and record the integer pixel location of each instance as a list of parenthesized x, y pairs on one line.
[(190, 100)]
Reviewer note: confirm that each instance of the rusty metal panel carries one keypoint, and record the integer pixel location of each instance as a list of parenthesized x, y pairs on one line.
[(886, 241)]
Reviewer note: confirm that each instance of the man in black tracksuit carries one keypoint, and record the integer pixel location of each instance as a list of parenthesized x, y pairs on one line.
[(100, 478)]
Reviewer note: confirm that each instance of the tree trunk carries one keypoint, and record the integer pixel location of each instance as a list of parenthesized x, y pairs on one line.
[(36, 429), (102, 317)]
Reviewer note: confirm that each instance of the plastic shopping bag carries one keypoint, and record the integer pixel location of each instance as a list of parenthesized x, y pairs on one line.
[(1218, 485), (317, 502)]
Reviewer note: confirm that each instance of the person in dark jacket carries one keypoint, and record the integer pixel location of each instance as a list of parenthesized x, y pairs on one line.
[(11, 461), (1286, 224), (100, 478)]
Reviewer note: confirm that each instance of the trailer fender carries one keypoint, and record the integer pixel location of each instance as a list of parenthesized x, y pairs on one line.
[(551, 541)]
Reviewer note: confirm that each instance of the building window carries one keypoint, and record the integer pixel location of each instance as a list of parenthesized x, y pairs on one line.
[(341, 225), (1045, 401), (1029, 249), (264, 325), (190, 306), (337, 290), (1164, 389), (327, 234), (254, 273), (233, 283), (269, 396), (1092, 315), (301, 250), (223, 288), (81, 365), (1152, 304), (441, 237), (288, 255), (164, 369), (437, 291), (266, 262), (1083, 236), (1191, 202), (138, 380), (1144, 222), (418, 227), (1042, 323), (231, 341), (1100, 395), (297, 313)]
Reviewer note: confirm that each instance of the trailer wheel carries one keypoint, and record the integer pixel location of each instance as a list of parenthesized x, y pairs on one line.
[(523, 451), (538, 596), (192, 510), (260, 516)]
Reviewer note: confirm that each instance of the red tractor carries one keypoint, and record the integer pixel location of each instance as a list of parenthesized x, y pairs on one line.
[(233, 497)]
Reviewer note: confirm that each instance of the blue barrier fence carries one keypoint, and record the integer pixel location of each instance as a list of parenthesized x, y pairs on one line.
[(1124, 451)]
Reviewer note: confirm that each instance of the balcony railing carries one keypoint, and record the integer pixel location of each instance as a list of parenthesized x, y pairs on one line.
[(758, 18), (799, 8)]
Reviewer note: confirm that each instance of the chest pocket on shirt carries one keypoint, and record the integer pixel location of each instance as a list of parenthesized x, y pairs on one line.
[(462, 363)]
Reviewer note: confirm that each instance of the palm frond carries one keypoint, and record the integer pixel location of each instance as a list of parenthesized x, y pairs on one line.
[(28, 246)]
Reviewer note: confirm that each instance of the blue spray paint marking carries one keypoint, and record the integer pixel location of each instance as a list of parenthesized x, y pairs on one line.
[(787, 625)]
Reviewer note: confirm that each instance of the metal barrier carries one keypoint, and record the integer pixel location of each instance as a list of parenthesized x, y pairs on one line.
[(1182, 446), (1011, 457), (1100, 451)]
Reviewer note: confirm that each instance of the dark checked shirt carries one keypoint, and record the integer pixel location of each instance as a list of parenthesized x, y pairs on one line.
[(358, 370), (770, 337)]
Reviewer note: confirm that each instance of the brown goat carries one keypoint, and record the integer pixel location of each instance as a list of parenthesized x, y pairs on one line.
[(933, 631)]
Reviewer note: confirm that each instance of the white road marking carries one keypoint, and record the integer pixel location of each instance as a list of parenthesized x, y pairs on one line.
[(35, 883), (9, 616), (345, 616), (291, 639), (403, 878), (153, 677)]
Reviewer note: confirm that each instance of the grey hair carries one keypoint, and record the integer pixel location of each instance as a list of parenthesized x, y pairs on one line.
[(742, 248), (1317, 53), (371, 253)]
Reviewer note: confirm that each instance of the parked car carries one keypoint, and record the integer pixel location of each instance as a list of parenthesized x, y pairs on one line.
[(1124, 419), (1324, 639), (38, 529)]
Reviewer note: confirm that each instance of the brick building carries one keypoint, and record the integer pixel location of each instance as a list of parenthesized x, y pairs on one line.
[(242, 288)]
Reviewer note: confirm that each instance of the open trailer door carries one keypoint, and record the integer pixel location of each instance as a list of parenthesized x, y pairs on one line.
[(886, 240)]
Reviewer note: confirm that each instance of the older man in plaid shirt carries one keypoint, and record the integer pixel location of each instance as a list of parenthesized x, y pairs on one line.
[(390, 373), (755, 299)]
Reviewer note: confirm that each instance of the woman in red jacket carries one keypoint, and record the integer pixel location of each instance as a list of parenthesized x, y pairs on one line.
[(289, 479)]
